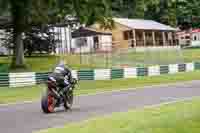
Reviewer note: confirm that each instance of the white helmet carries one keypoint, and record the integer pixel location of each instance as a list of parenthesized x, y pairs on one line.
[(61, 64)]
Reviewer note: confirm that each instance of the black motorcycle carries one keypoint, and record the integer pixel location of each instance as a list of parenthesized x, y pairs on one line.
[(54, 97)]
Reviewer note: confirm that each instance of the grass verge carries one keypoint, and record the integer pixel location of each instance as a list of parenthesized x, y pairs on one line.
[(181, 117), (10, 95), (45, 63)]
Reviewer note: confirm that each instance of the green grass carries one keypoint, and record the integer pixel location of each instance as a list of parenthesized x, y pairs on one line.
[(183, 117), (191, 55), (147, 58), (8, 95), (44, 63)]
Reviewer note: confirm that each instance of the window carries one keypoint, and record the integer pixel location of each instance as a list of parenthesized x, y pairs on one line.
[(96, 43), (126, 35), (81, 42), (187, 37)]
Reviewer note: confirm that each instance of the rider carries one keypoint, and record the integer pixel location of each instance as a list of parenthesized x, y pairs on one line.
[(62, 75)]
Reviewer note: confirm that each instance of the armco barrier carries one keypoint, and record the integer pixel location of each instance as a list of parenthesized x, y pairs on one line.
[(164, 69), (153, 71), (86, 75), (32, 78), (4, 79), (117, 73), (102, 74), (142, 71), (41, 77), (182, 67), (21, 79), (130, 72), (197, 65)]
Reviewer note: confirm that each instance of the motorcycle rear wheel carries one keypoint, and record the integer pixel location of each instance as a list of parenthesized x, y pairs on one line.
[(48, 102)]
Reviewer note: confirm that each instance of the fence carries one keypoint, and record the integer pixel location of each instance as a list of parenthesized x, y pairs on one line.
[(120, 54), (26, 79)]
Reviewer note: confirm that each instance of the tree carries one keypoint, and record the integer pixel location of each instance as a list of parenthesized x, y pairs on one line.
[(188, 12), (182, 13), (123, 8), (163, 11), (34, 40), (26, 13), (139, 10), (170, 12), (39, 40)]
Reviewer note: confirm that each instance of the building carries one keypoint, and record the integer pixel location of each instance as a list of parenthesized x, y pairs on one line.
[(81, 40), (140, 34), (184, 38), (195, 37), (62, 35), (87, 40), (189, 38)]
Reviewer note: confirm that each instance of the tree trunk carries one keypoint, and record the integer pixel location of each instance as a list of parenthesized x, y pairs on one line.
[(18, 57), (18, 18)]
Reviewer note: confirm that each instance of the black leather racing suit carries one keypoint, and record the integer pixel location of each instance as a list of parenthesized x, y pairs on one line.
[(63, 77)]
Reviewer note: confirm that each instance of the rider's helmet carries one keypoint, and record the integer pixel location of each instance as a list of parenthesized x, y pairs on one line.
[(62, 68), (61, 64)]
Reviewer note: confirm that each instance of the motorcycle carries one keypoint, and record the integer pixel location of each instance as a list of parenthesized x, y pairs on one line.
[(53, 97)]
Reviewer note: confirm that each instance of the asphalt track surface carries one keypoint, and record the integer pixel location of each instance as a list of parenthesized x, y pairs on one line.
[(28, 117)]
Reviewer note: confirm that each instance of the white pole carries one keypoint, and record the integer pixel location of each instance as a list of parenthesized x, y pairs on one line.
[(69, 39), (164, 38), (134, 38), (154, 39), (144, 37)]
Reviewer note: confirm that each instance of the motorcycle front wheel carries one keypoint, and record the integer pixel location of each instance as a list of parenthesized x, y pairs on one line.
[(69, 100)]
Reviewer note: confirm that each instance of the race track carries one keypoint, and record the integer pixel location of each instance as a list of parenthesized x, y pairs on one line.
[(28, 118)]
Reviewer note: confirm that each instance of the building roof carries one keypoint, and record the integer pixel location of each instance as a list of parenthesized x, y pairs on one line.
[(86, 32), (196, 31), (141, 24)]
